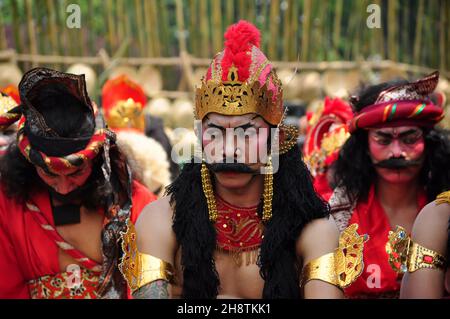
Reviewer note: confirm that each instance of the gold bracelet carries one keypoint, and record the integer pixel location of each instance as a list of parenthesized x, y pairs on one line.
[(341, 267), (140, 269), (408, 256)]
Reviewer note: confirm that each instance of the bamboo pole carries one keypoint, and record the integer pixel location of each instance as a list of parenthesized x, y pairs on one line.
[(320, 49), (294, 51), (165, 27), (3, 44), (50, 4), (448, 33), (180, 26), (419, 26), (193, 36), (337, 24), (306, 29), (155, 27), (242, 10), (128, 28), (204, 29), (90, 31), (216, 26), (110, 23), (229, 12), (38, 12), (31, 29), (251, 11), (120, 6), (433, 36), (360, 6), (263, 24), (287, 37), (16, 26), (274, 27), (139, 25), (150, 39)]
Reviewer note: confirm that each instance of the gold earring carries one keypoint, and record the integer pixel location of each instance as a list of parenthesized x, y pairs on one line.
[(209, 193), (268, 192), (291, 135)]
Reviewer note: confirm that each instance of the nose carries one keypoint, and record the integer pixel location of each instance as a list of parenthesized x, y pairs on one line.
[(64, 185), (396, 149), (230, 146)]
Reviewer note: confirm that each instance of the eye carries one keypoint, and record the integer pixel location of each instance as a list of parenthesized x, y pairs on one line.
[(383, 140), (410, 140)]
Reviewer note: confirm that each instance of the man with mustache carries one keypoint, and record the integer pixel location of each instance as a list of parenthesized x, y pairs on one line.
[(393, 164), (65, 195), (244, 221)]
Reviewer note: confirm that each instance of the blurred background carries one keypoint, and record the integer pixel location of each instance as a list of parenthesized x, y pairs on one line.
[(320, 48)]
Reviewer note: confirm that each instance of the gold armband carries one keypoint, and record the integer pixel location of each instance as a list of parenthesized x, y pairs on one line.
[(140, 269), (408, 256), (443, 198), (341, 267)]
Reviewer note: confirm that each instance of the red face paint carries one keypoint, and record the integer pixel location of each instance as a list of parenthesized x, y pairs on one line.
[(397, 142), (65, 184)]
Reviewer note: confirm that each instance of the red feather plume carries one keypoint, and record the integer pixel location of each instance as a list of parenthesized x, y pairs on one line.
[(239, 38)]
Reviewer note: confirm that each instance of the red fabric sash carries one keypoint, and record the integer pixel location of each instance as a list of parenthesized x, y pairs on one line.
[(372, 220)]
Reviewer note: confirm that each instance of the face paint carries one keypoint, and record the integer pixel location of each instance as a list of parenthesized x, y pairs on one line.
[(64, 184), (397, 153), (6, 138), (233, 146)]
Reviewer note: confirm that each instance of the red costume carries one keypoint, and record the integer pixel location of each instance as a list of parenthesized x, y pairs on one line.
[(29, 266), (29, 239), (401, 105), (327, 131), (372, 220)]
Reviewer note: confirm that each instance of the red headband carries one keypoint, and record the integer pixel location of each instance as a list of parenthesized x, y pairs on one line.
[(402, 105), (397, 113), (64, 164)]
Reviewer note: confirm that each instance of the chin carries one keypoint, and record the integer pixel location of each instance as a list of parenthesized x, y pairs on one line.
[(233, 180)]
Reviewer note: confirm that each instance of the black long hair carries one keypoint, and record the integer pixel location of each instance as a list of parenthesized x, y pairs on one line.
[(354, 169), (18, 176), (295, 204)]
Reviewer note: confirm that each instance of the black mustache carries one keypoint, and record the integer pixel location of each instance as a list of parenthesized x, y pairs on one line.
[(231, 167), (396, 163)]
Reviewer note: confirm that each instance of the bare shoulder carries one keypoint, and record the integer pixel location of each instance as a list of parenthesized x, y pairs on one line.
[(431, 226), (154, 230), (319, 237)]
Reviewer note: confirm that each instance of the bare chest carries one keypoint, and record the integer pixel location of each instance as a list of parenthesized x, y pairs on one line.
[(85, 237), (236, 281)]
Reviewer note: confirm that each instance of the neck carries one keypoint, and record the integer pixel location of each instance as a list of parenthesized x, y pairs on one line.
[(247, 196), (395, 197)]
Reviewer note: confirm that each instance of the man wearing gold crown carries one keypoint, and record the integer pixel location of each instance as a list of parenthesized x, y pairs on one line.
[(65, 195), (123, 102), (232, 227), (393, 164)]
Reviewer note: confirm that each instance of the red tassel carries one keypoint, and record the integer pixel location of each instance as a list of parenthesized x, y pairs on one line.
[(239, 38)]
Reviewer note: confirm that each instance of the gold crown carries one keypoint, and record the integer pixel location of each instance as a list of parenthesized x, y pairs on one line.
[(233, 97), (7, 103), (126, 114)]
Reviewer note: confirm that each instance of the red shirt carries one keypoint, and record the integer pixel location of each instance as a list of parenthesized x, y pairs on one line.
[(377, 278), (27, 252)]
